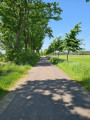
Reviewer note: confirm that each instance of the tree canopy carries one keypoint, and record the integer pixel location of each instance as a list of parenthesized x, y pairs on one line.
[(87, 0), (70, 44), (24, 24), (56, 45)]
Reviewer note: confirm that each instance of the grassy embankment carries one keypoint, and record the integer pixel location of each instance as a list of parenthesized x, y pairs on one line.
[(78, 68), (10, 74)]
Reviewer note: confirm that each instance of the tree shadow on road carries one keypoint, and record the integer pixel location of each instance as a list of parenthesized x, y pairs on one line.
[(59, 99), (49, 99)]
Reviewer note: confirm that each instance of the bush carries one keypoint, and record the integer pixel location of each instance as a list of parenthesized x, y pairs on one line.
[(23, 57), (48, 57)]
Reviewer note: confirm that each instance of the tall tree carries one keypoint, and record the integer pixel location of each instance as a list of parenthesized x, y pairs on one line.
[(71, 43), (24, 24), (59, 44), (56, 45)]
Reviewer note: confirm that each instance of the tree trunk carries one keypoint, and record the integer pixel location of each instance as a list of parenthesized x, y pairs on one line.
[(37, 50), (17, 41), (55, 53), (58, 54), (31, 44), (24, 27), (20, 28), (25, 41), (67, 55), (27, 35)]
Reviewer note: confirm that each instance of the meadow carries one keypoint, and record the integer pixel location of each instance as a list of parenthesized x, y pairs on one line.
[(78, 68), (77, 58)]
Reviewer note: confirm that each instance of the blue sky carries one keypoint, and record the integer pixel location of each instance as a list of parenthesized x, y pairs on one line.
[(74, 11)]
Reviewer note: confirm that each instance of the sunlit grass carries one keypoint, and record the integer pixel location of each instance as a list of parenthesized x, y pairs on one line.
[(78, 68), (9, 74), (81, 59)]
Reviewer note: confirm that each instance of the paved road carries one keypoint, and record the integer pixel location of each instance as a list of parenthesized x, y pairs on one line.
[(48, 94)]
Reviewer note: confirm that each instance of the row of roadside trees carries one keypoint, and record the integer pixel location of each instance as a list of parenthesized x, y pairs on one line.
[(23, 26), (70, 44)]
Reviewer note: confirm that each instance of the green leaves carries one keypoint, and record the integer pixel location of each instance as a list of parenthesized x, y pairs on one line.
[(56, 45), (24, 24), (87, 0), (71, 42)]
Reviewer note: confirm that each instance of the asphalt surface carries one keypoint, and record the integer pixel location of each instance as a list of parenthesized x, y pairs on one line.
[(48, 94)]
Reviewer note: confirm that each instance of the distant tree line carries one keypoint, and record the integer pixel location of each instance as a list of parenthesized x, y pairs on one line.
[(81, 53), (71, 53)]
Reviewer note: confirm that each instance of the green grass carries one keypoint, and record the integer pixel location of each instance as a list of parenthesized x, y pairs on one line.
[(80, 59), (9, 74), (78, 68)]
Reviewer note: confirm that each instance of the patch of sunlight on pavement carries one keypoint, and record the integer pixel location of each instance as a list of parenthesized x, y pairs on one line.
[(81, 111), (56, 97), (44, 92), (29, 97), (67, 98), (38, 90), (47, 92)]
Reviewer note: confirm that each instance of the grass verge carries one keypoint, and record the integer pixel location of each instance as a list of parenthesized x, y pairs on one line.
[(80, 72), (10, 73)]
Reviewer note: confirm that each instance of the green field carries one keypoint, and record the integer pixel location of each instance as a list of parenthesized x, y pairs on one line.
[(9, 74), (78, 68), (76, 58)]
